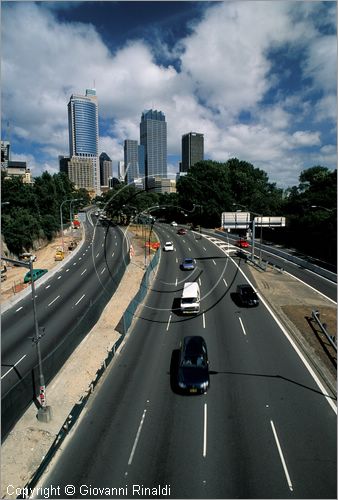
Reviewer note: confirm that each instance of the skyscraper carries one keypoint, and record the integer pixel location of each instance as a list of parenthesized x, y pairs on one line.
[(106, 169), (153, 136), (131, 159), (83, 123), (192, 150)]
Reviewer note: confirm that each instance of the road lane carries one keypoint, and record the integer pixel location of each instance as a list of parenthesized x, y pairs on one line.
[(256, 379)]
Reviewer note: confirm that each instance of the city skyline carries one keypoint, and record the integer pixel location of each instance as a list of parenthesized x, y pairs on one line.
[(257, 79)]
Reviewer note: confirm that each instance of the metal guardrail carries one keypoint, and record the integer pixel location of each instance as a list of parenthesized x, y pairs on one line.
[(295, 260), (331, 338)]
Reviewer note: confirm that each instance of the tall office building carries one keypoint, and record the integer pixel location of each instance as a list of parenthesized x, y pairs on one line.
[(5, 153), (192, 150), (153, 136), (106, 169), (121, 171), (131, 160), (83, 123)]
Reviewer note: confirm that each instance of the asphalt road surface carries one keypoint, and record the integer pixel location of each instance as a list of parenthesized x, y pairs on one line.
[(62, 302), (263, 430)]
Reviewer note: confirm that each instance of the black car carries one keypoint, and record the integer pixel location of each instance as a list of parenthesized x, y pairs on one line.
[(193, 367), (247, 295)]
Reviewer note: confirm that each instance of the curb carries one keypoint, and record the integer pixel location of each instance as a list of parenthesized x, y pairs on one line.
[(316, 364), (81, 404)]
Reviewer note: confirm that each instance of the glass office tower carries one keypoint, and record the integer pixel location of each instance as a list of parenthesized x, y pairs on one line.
[(153, 136), (83, 123), (131, 159), (192, 150)]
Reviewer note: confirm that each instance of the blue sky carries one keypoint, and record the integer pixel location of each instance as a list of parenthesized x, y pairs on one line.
[(257, 78)]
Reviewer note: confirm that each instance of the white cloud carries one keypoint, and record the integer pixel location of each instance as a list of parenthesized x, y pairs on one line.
[(305, 138), (224, 70)]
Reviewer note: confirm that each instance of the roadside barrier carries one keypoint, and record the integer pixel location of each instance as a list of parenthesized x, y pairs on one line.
[(76, 411), (331, 338)]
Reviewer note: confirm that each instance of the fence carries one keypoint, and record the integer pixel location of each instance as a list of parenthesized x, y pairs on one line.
[(322, 326), (19, 396), (79, 406)]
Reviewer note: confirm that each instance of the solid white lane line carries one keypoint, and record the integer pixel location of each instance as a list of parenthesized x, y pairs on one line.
[(241, 322), (103, 270), (203, 317), (168, 322), (54, 300), (19, 309), (205, 431), (76, 303), (176, 281), (281, 456), (4, 375), (83, 271), (312, 288), (226, 284), (137, 438)]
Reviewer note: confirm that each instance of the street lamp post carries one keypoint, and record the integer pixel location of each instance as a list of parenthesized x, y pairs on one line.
[(61, 219), (44, 411)]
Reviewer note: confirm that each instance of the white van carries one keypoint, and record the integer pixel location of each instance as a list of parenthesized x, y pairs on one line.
[(190, 300)]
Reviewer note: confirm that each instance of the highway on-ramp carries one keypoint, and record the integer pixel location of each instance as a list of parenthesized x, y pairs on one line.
[(265, 429)]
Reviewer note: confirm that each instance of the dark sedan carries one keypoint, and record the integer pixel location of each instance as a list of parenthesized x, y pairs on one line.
[(247, 295), (181, 231), (193, 368)]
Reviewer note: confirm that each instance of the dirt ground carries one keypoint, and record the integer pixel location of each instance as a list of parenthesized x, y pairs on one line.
[(45, 260), (294, 302), (28, 442), (26, 445)]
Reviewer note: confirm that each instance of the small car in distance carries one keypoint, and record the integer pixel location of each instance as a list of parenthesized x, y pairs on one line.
[(27, 256), (187, 264), (247, 295), (242, 244), (193, 366), (168, 246), (37, 273), (173, 223), (182, 231)]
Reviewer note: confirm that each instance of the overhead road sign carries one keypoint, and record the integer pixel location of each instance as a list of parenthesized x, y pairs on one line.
[(269, 221), (235, 220)]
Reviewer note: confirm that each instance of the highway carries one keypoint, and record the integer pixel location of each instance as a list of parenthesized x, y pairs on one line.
[(264, 429), (320, 279), (68, 304)]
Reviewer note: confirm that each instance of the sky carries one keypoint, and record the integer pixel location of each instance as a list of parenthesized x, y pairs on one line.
[(257, 78)]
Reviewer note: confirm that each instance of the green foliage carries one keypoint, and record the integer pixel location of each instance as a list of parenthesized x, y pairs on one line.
[(223, 187), (33, 210), (311, 211)]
